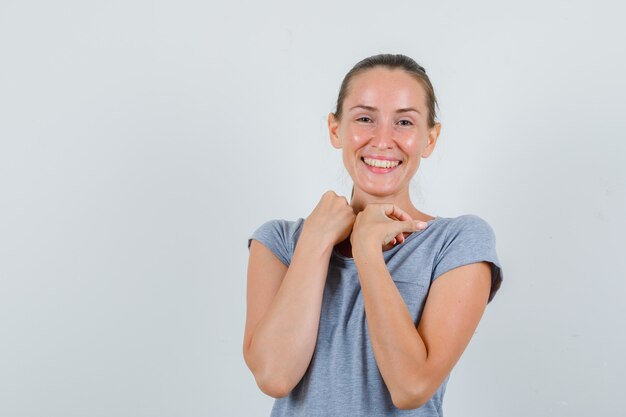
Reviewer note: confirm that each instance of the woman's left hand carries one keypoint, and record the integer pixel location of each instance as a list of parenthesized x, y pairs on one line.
[(380, 225)]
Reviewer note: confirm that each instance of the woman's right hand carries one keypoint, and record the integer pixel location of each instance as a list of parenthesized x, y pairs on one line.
[(331, 220)]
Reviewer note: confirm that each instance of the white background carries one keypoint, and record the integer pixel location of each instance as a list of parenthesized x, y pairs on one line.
[(141, 143)]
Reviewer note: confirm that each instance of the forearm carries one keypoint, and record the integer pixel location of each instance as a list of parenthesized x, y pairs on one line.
[(284, 340), (400, 352)]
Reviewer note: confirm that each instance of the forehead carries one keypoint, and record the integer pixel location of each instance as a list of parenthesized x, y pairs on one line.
[(380, 86)]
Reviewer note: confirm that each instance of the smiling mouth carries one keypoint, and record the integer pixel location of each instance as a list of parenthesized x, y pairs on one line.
[(380, 163)]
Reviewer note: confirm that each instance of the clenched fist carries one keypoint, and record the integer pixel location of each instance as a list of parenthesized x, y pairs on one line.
[(332, 219)]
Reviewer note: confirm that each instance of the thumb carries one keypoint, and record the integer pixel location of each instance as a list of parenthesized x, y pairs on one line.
[(417, 225), (408, 226), (420, 225)]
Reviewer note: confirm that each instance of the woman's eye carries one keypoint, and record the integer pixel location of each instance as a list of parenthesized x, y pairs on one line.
[(364, 119), (405, 122)]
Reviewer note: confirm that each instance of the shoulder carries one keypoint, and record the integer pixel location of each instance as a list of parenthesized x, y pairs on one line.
[(470, 226), (280, 227), (468, 239), (280, 236)]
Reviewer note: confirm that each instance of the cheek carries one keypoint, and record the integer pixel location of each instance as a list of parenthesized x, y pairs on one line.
[(357, 133), (355, 139), (413, 144), (409, 147)]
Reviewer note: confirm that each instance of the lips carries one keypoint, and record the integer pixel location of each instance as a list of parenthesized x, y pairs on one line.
[(385, 163)]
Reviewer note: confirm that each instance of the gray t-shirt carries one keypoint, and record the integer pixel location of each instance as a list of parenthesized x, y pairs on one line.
[(343, 378)]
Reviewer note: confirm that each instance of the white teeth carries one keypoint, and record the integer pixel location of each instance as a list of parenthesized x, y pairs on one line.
[(379, 163)]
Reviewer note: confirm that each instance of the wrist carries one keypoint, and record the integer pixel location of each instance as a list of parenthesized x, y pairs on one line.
[(365, 248), (318, 241)]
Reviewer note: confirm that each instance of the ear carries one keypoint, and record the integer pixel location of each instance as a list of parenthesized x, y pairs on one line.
[(433, 135), (333, 126)]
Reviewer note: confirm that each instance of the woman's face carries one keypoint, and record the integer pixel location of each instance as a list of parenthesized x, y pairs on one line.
[(383, 131)]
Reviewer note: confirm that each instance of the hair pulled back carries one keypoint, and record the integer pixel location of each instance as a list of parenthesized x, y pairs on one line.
[(391, 61)]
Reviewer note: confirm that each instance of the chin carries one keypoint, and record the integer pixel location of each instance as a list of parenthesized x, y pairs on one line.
[(380, 192)]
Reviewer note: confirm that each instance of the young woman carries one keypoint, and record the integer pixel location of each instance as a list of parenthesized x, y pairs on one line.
[(364, 307)]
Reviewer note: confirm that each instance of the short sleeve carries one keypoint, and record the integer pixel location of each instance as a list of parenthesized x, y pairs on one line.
[(279, 236), (469, 239)]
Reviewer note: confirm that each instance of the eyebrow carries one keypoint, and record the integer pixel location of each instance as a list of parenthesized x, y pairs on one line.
[(370, 108)]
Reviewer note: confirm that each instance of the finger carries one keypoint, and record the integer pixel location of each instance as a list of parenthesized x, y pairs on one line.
[(410, 226), (392, 217), (390, 240), (396, 212), (394, 235), (389, 215)]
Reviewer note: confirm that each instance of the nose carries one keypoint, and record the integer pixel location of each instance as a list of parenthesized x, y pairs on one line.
[(382, 137)]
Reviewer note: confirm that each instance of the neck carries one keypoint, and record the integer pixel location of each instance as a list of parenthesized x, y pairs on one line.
[(360, 200)]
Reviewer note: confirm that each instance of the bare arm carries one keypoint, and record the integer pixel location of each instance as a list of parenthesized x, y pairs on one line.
[(415, 361), (284, 304), (283, 312)]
